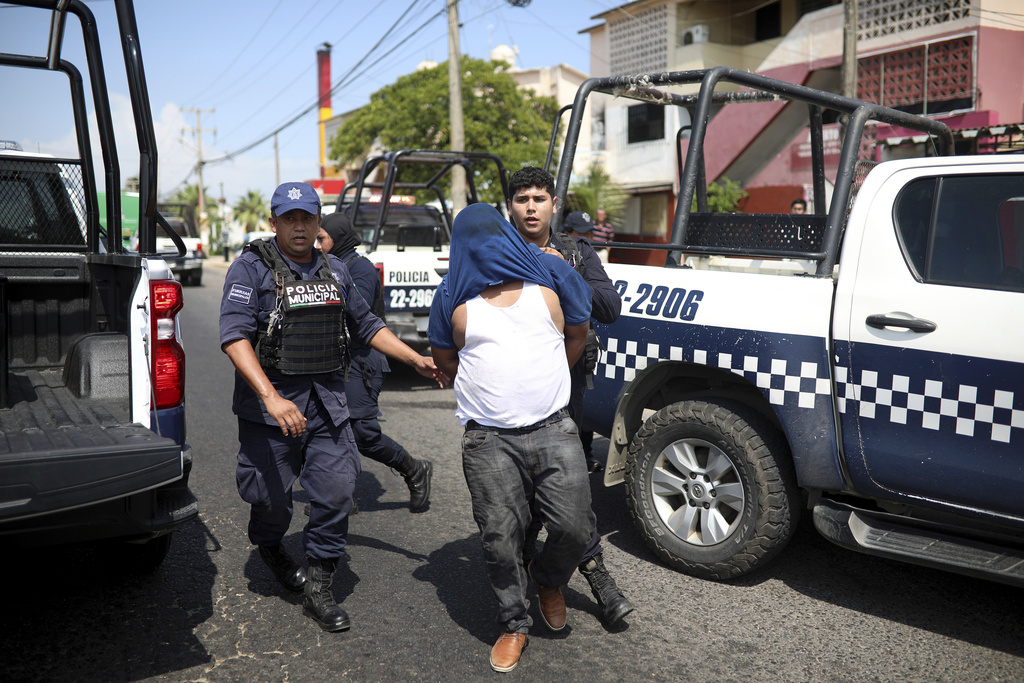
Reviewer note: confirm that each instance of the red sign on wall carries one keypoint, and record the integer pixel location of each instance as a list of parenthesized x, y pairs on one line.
[(800, 152)]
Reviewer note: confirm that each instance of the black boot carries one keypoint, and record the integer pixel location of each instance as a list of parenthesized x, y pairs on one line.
[(319, 603), (287, 570), (417, 475), (614, 605)]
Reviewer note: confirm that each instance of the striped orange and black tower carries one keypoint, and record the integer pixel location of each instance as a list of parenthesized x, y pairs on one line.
[(323, 73)]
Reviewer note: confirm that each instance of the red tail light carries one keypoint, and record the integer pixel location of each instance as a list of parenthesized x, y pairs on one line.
[(380, 273), (168, 371), (199, 249)]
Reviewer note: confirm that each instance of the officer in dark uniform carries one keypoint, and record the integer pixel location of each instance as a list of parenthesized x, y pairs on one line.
[(366, 375), (286, 314)]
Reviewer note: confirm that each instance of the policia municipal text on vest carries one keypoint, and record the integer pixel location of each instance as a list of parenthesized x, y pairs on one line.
[(306, 332)]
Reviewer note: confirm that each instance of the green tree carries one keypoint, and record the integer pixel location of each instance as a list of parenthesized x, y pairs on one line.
[(723, 197), (596, 191), (251, 210), (412, 113)]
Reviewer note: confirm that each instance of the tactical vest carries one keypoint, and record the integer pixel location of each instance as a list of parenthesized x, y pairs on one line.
[(570, 251), (377, 305), (306, 333)]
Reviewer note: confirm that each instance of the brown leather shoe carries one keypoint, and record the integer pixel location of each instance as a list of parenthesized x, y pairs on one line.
[(552, 607), (506, 652)]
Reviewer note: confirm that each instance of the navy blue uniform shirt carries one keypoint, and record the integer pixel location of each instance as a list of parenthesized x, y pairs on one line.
[(245, 307), (367, 281)]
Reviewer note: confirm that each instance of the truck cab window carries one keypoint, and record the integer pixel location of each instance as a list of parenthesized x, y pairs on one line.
[(961, 230)]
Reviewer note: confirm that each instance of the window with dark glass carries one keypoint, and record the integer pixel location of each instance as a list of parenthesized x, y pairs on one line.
[(646, 122), (964, 230)]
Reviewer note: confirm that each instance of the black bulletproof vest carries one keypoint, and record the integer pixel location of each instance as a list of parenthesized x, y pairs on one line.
[(306, 333)]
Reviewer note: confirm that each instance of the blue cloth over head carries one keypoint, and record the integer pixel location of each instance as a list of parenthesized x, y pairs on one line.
[(487, 250)]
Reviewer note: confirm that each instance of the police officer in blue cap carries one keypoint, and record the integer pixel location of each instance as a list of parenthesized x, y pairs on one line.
[(287, 313)]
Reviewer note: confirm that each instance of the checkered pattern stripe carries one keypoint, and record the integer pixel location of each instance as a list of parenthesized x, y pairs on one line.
[(899, 399), (930, 403), (784, 382)]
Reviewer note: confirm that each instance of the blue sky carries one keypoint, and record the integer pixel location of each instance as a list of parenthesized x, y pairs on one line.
[(254, 62)]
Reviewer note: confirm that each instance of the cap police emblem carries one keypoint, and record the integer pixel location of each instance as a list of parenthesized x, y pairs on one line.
[(294, 193)]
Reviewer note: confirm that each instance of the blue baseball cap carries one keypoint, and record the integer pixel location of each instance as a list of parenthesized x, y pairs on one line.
[(290, 196), (578, 221)]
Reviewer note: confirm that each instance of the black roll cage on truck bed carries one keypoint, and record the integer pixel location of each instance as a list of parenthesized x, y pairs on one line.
[(145, 132), (815, 237), (444, 160)]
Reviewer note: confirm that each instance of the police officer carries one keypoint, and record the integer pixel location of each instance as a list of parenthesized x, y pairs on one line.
[(286, 314), (366, 375)]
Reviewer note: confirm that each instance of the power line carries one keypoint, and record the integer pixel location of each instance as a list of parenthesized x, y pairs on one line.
[(343, 81)]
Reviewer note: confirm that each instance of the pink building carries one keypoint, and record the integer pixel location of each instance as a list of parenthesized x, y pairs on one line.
[(955, 60)]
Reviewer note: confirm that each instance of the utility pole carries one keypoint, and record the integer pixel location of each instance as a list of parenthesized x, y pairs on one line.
[(198, 133), (849, 68), (277, 164), (458, 136)]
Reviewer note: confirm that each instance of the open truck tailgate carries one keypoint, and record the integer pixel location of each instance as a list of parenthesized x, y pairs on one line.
[(59, 452)]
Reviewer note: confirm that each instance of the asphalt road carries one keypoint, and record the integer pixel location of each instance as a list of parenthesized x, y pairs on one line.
[(421, 607)]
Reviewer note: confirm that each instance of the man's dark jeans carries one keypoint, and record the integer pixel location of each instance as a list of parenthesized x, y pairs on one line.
[(504, 468)]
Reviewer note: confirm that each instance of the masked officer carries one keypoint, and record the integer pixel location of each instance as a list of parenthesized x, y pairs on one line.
[(366, 376), (286, 315)]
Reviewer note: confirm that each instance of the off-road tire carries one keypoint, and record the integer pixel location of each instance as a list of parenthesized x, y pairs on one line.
[(760, 525)]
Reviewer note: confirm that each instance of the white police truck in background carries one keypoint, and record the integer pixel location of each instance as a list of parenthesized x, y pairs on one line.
[(867, 364), (398, 206)]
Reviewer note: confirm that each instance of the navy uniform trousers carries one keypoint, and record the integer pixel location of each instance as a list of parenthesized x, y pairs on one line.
[(362, 389), (325, 457)]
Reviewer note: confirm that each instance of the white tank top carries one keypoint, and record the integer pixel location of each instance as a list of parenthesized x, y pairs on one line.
[(512, 370)]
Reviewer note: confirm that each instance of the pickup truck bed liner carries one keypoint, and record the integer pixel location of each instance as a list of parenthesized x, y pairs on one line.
[(74, 450)]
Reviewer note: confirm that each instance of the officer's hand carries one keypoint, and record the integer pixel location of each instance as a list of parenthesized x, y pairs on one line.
[(425, 366), (287, 414), (553, 252)]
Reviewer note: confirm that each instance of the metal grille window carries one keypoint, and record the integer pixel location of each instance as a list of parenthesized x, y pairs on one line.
[(877, 18), (646, 122), (924, 79), (638, 43), (41, 202)]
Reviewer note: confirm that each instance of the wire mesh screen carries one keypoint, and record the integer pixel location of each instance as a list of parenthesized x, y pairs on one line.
[(42, 202), (781, 232)]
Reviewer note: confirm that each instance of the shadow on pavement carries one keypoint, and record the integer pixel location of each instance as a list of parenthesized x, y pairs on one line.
[(69, 616)]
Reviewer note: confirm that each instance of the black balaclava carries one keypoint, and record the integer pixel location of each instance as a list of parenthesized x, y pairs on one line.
[(339, 227)]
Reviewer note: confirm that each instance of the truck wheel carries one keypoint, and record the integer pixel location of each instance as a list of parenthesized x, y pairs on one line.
[(711, 489)]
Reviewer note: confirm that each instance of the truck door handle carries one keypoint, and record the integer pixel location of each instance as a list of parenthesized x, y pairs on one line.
[(881, 321)]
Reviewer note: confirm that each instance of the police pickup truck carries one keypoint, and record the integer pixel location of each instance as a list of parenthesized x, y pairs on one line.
[(92, 369), (865, 362), (407, 240)]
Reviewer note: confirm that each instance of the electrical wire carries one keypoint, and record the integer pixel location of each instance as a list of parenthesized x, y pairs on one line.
[(343, 81)]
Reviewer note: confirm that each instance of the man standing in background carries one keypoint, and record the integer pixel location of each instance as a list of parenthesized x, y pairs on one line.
[(603, 232)]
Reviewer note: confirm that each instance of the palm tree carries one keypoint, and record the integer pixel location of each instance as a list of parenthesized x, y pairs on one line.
[(251, 210), (190, 195), (597, 191)]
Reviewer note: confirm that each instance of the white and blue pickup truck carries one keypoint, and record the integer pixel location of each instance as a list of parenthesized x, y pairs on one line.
[(92, 363), (399, 207), (865, 363)]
